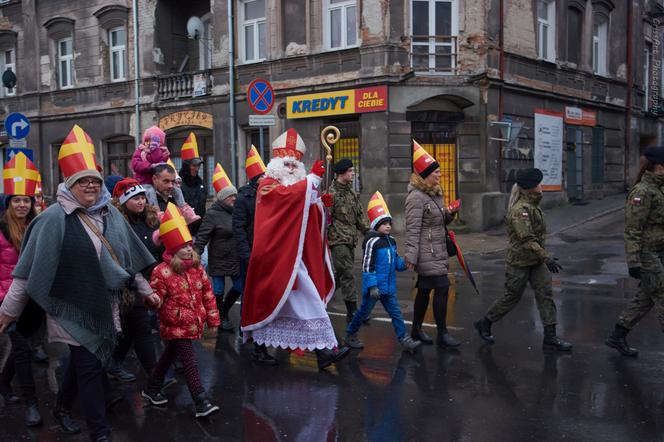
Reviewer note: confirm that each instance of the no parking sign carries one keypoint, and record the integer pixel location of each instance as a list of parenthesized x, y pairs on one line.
[(260, 96)]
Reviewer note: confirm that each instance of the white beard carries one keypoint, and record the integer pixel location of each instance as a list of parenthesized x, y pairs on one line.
[(277, 170)]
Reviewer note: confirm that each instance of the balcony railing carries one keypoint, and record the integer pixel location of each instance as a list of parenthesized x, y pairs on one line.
[(433, 53), (184, 85)]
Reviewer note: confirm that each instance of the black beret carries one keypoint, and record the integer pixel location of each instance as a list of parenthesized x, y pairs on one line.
[(529, 178), (342, 166), (655, 154)]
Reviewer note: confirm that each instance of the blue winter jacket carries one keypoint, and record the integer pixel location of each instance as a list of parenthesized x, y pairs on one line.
[(380, 263)]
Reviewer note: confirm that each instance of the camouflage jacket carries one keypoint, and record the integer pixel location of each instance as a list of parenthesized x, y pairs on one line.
[(526, 230), (348, 217), (644, 218)]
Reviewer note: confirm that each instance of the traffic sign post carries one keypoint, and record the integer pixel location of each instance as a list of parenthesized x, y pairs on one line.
[(17, 125)]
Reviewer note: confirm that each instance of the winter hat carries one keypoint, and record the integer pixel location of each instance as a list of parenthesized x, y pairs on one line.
[(423, 163), (378, 211), (126, 189), (655, 154), (20, 177), (529, 178), (289, 144), (189, 150), (173, 230), (111, 181), (155, 135), (77, 157), (342, 166), (254, 166)]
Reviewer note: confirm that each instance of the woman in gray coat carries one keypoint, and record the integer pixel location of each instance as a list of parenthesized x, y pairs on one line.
[(426, 250)]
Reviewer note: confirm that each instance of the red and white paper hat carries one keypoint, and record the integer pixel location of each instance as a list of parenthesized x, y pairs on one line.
[(289, 144)]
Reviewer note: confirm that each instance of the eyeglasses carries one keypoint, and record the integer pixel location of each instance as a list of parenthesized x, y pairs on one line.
[(89, 182)]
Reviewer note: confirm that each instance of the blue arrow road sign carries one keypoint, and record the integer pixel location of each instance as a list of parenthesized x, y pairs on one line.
[(17, 125), (12, 151)]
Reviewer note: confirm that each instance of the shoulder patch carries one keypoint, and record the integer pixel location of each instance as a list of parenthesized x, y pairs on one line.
[(636, 201)]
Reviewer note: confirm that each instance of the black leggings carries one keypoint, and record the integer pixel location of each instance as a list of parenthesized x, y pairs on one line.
[(137, 331), (439, 307)]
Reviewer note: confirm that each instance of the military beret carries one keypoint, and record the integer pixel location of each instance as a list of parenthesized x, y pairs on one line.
[(342, 166), (529, 178), (655, 154)]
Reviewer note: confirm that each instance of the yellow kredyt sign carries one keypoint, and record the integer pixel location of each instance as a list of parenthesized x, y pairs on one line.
[(351, 101)]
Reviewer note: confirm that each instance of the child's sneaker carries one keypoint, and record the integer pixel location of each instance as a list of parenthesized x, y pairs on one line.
[(353, 341), (410, 344), (204, 407), (153, 392), (189, 215)]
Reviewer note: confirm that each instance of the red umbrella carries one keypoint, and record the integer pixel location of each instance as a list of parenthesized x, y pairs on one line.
[(462, 261)]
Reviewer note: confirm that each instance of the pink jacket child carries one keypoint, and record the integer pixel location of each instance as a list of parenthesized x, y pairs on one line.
[(148, 154)]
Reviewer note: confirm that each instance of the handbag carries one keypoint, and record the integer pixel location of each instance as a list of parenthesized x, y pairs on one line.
[(449, 244), (128, 296)]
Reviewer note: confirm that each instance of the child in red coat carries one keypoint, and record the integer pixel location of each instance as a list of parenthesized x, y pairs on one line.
[(188, 305)]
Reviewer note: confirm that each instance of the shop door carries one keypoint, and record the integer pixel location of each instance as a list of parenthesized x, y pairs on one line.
[(439, 139), (574, 186)]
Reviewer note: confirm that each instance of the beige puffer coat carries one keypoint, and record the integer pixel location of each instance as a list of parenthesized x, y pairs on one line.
[(425, 228)]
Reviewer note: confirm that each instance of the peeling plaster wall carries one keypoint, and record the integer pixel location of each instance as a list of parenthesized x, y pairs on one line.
[(519, 34)]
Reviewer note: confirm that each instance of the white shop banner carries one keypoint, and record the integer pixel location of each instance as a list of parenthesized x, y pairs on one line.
[(549, 148)]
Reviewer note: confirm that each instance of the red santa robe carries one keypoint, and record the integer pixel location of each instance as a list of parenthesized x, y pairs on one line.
[(290, 278)]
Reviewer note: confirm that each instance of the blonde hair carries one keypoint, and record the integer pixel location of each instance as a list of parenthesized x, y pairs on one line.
[(515, 195), (178, 266)]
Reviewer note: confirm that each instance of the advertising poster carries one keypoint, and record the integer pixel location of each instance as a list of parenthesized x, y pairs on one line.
[(549, 148)]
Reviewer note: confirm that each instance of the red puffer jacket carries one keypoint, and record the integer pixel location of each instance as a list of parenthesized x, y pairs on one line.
[(188, 302), (8, 260)]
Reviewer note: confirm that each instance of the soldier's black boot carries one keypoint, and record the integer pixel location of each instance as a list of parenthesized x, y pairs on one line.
[(618, 341), (553, 342), (351, 308), (483, 327)]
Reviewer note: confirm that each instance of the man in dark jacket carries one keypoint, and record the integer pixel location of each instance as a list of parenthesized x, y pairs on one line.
[(193, 188), (243, 221)]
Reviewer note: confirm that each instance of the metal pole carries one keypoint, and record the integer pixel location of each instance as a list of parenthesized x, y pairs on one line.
[(137, 73), (260, 141), (231, 84)]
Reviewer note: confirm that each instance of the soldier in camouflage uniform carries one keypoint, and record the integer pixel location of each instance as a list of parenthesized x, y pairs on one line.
[(527, 261), (348, 218), (644, 248)]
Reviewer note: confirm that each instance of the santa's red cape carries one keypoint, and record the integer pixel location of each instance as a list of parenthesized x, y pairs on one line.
[(284, 234)]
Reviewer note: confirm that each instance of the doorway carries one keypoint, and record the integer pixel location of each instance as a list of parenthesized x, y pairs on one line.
[(574, 184)]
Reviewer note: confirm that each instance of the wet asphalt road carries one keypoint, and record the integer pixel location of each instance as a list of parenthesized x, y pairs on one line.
[(511, 391)]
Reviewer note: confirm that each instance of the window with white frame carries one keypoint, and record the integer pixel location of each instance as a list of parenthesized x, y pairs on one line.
[(117, 43), (340, 24), (205, 44), (434, 28), (647, 51), (600, 36), (7, 63), (253, 30), (65, 62), (546, 30)]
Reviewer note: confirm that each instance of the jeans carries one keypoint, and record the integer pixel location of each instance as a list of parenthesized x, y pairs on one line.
[(84, 377), (137, 330), (219, 284), (391, 307), (19, 364)]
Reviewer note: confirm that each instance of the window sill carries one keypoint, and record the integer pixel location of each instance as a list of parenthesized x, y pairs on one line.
[(548, 60), (246, 62), (342, 48)]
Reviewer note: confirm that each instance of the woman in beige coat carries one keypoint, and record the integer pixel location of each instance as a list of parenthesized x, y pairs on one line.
[(426, 250)]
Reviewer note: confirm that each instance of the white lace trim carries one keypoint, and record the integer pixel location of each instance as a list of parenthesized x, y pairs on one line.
[(293, 333)]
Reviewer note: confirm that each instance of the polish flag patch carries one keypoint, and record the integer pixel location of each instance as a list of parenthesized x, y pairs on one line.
[(636, 201)]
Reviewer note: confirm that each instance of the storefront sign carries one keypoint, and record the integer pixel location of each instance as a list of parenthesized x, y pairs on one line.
[(580, 117), (352, 101), (549, 148), (186, 118)]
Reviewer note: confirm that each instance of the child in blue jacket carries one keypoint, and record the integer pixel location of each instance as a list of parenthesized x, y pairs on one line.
[(379, 281)]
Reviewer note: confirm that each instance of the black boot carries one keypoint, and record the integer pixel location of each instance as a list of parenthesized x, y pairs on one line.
[(351, 308), (553, 342), (204, 407), (440, 315), (483, 327), (261, 356), (229, 301), (32, 418), (63, 417), (419, 310), (327, 357), (444, 339), (618, 341)]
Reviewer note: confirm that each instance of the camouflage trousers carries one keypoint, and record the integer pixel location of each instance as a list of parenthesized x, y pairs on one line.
[(516, 279), (343, 258), (650, 293)]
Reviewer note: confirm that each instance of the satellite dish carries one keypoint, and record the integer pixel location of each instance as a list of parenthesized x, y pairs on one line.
[(195, 28)]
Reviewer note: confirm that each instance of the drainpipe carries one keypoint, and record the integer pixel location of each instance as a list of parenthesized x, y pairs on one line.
[(231, 93), (630, 88), (501, 77), (137, 73)]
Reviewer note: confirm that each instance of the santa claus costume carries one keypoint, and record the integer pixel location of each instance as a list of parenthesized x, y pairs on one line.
[(290, 279)]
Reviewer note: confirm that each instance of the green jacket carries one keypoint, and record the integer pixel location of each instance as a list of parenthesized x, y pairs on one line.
[(348, 217), (526, 230), (644, 218)]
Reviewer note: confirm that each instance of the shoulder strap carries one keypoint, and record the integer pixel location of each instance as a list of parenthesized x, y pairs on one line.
[(83, 217)]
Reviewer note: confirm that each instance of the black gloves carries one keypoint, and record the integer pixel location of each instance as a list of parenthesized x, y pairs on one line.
[(635, 272), (553, 266)]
